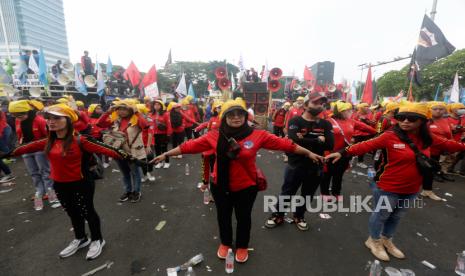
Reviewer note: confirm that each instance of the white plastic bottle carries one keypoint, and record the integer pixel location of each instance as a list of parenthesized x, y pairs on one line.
[(187, 169), (229, 263), (206, 196), (375, 268), (460, 267), (190, 271)]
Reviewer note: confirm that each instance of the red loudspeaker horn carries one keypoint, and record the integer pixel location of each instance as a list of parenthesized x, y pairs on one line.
[(224, 83), (276, 73), (274, 86), (220, 72)]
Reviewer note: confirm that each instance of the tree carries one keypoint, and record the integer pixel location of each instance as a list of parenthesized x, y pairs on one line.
[(439, 72)]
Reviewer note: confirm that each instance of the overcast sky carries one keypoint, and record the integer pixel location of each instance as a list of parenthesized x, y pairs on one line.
[(288, 34)]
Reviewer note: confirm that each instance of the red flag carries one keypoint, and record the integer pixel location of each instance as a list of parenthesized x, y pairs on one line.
[(367, 96), (150, 77), (308, 75), (132, 74)]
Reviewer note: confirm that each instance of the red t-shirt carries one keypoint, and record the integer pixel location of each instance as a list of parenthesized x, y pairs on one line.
[(457, 132), (348, 126), (67, 167), (39, 128), (279, 117), (242, 170), (401, 173), (440, 127)]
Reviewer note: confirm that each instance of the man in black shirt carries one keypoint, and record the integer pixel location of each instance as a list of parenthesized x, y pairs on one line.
[(312, 133)]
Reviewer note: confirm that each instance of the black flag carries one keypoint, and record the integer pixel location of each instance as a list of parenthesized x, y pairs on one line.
[(432, 45)]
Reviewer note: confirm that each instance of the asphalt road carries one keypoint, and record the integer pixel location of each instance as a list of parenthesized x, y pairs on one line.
[(30, 240)]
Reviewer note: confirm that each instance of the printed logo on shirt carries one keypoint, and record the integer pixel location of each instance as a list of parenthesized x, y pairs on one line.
[(433, 126), (293, 127), (399, 146), (319, 130), (248, 144)]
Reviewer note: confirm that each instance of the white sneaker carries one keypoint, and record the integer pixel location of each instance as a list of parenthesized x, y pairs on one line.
[(361, 165), (166, 165), (38, 203), (95, 249), (52, 197), (150, 177), (73, 247), (179, 156), (106, 165), (159, 165)]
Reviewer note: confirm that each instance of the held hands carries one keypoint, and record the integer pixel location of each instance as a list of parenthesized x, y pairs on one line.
[(315, 157), (335, 156), (322, 139)]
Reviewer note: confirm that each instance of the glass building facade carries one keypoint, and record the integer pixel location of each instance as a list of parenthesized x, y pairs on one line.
[(31, 24)]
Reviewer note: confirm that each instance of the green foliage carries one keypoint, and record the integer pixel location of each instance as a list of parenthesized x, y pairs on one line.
[(440, 72)]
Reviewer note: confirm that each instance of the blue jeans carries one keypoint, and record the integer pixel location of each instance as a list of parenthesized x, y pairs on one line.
[(384, 221), (131, 175), (38, 168)]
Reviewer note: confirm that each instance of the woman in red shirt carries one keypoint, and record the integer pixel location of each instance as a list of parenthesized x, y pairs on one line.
[(234, 184), (30, 126), (279, 118), (69, 161), (400, 180), (178, 121), (343, 129), (208, 157), (162, 131)]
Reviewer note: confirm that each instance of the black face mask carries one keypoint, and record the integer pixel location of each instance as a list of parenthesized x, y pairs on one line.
[(315, 111)]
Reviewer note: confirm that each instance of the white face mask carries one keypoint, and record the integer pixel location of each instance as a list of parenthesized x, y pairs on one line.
[(460, 112)]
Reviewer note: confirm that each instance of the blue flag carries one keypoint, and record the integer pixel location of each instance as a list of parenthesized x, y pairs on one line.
[(42, 68), (4, 77), (462, 97), (22, 69), (79, 82), (438, 89), (109, 67), (190, 91), (100, 81)]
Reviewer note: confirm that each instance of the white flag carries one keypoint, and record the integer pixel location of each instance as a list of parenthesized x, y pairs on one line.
[(152, 90), (233, 82), (100, 80), (33, 64), (182, 88), (455, 90)]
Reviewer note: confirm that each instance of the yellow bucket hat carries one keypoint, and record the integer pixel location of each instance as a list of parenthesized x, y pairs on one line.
[(422, 109), (19, 106), (231, 105), (62, 110)]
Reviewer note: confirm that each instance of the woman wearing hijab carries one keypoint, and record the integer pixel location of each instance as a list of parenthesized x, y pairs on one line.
[(234, 186)]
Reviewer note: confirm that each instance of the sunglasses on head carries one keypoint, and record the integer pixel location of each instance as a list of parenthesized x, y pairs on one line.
[(48, 116), (410, 118)]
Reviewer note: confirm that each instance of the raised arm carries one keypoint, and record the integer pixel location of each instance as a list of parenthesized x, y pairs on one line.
[(94, 146), (35, 146)]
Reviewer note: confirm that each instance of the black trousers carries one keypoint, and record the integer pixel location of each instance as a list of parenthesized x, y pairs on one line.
[(428, 179), (334, 174), (148, 167), (358, 139), (242, 203), (161, 145), (303, 177), (278, 131), (77, 198), (188, 131), (177, 139)]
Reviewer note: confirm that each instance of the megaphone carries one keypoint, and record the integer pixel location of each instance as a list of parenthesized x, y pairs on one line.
[(220, 72), (63, 79), (274, 85), (331, 88), (9, 90), (35, 92), (67, 66), (224, 83), (276, 73), (90, 81), (297, 87), (70, 75)]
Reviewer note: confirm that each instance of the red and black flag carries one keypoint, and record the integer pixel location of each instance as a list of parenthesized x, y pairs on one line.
[(432, 45)]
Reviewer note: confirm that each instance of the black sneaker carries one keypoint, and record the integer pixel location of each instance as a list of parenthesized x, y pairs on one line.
[(136, 197), (447, 177), (125, 197)]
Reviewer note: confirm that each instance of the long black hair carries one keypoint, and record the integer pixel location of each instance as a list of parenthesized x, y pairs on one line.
[(424, 133), (152, 107), (67, 140)]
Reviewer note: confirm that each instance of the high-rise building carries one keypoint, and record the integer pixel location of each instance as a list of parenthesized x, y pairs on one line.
[(31, 24), (323, 72)]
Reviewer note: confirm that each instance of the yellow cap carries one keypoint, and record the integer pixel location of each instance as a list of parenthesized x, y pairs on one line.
[(453, 106), (300, 98), (92, 108), (36, 104), (231, 105), (62, 110), (421, 109), (342, 106), (80, 103), (436, 104), (163, 107), (391, 106), (287, 104), (142, 108), (63, 100), (19, 106), (216, 104)]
